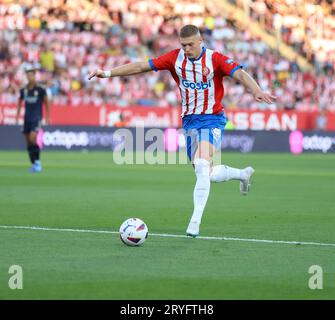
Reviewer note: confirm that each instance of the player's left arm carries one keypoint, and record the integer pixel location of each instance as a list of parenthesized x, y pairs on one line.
[(243, 77)]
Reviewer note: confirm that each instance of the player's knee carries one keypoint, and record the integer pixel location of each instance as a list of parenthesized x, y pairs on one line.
[(32, 139), (201, 167), (205, 151)]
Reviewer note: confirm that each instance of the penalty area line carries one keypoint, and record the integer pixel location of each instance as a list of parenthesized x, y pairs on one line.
[(166, 235)]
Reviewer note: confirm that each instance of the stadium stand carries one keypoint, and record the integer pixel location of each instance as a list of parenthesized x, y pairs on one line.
[(308, 26), (67, 42)]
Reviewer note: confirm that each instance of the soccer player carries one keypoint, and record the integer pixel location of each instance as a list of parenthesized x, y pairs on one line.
[(34, 97), (199, 72)]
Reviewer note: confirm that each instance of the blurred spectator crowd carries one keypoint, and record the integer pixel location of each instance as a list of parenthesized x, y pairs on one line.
[(69, 39), (307, 25)]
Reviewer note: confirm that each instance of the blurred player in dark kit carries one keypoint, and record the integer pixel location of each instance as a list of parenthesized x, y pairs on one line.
[(34, 97)]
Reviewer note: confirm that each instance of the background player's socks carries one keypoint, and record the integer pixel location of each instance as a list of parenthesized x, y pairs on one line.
[(201, 192), (224, 173), (34, 155), (36, 152), (30, 150)]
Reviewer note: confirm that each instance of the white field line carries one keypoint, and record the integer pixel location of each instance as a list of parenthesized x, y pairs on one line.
[(173, 236)]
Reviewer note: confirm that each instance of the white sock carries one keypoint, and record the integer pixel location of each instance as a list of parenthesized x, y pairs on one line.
[(225, 173), (201, 189)]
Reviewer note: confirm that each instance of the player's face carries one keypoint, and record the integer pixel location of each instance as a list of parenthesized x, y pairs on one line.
[(31, 76), (191, 46)]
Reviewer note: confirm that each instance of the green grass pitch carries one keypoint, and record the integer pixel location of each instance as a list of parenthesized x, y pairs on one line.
[(292, 198)]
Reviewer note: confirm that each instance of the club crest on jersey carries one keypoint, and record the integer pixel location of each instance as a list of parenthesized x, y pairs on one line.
[(206, 71), (196, 85)]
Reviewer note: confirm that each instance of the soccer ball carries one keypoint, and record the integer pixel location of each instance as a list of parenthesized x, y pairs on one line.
[(133, 232)]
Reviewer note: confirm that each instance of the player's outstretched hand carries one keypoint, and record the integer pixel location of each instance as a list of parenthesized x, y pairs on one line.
[(97, 73), (265, 97)]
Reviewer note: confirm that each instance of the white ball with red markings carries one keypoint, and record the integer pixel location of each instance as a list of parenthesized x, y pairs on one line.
[(133, 232)]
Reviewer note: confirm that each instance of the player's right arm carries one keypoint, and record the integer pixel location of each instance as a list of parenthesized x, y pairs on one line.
[(163, 62), (125, 70)]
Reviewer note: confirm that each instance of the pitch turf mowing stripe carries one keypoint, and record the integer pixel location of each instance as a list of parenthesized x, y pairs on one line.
[(173, 236), (141, 167)]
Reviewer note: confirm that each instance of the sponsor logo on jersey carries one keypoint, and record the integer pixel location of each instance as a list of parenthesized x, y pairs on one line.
[(30, 99), (196, 85)]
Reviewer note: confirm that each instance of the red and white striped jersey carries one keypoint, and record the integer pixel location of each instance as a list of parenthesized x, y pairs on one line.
[(200, 80)]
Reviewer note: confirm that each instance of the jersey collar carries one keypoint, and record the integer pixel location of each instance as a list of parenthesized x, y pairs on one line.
[(202, 53)]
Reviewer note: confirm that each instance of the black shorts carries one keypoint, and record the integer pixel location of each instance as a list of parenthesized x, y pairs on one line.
[(31, 126)]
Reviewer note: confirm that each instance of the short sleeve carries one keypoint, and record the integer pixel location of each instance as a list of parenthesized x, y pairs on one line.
[(226, 65), (165, 61)]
